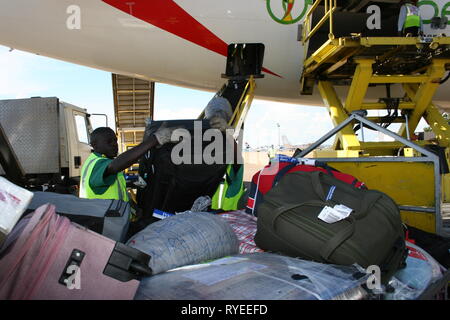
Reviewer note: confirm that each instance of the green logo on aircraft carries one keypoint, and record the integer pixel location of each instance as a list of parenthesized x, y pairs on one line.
[(436, 9), (289, 15)]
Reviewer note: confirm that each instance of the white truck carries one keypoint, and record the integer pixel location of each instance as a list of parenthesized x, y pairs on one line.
[(50, 140)]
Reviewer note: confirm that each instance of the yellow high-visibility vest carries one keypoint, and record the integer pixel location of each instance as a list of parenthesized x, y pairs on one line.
[(116, 191), (230, 191), (412, 16)]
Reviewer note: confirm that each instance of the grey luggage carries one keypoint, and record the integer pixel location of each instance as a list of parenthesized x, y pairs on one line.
[(372, 233), (107, 217)]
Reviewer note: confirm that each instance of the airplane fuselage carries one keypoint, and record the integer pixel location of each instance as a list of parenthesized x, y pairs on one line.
[(179, 42)]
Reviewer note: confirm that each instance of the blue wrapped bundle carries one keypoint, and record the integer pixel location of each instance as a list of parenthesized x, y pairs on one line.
[(185, 239)]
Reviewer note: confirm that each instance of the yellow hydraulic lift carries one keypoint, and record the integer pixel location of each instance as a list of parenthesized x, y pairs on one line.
[(404, 169)]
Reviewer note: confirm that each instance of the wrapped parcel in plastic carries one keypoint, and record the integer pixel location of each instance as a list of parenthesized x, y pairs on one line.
[(258, 276)]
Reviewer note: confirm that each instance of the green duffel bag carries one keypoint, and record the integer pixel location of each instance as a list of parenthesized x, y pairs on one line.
[(370, 232)]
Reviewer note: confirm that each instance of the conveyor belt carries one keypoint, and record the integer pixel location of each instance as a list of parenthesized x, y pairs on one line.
[(133, 103)]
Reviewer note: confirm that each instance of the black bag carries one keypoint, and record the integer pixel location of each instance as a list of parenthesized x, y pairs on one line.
[(372, 234), (438, 247), (174, 187)]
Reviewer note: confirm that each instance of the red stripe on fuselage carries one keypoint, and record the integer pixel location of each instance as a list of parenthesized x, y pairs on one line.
[(169, 16)]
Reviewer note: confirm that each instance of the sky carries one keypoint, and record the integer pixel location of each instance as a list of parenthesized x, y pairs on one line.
[(26, 75)]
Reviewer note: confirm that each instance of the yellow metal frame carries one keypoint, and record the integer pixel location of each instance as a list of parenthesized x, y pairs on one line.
[(308, 30), (243, 107), (346, 139), (419, 88), (350, 60)]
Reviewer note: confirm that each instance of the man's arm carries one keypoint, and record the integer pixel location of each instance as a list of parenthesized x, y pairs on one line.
[(129, 157), (162, 136)]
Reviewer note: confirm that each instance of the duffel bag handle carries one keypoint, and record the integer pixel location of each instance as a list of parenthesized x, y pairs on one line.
[(285, 170), (283, 209), (368, 201), (317, 185), (338, 239), (335, 241), (282, 173)]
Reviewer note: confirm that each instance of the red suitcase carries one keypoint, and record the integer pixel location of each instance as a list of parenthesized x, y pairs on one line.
[(55, 259)]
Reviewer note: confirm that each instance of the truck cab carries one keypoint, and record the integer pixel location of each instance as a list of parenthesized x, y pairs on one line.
[(50, 140), (75, 143)]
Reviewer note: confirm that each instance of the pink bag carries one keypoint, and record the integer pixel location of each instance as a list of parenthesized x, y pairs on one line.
[(56, 259)]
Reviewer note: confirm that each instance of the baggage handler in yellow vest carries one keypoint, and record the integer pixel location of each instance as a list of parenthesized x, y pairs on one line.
[(409, 21), (101, 174)]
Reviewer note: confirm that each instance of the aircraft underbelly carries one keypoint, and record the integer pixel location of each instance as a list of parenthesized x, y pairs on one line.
[(183, 44), (113, 40)]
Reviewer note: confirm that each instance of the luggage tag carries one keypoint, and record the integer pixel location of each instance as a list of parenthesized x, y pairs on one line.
[(162, 214), (337, 213)]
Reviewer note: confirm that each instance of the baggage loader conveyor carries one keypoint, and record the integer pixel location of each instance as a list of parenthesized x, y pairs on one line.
[(411, 173)]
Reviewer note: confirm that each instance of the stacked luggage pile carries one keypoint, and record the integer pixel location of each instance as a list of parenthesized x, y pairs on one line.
[(306, 232)]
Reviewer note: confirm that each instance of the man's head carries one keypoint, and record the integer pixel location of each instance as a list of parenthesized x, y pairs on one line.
[(104, 141)]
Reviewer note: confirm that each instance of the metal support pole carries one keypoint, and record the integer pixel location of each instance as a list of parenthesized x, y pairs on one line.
[(408, 134), (431, 157)]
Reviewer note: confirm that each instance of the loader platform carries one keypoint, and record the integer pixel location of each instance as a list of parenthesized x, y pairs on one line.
[(414, 173)]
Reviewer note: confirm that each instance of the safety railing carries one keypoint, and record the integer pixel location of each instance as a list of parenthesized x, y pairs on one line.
[(308, 30)]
